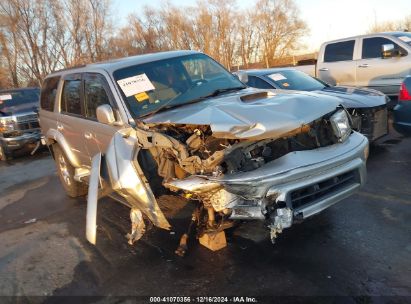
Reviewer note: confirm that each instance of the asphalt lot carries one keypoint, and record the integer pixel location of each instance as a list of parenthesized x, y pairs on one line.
[(359, 249)]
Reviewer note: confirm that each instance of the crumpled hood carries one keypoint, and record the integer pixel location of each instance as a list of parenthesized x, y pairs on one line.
[(230, 116), (352, 97)]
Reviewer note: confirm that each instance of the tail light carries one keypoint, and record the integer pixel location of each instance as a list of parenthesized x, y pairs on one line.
[(404, 93)]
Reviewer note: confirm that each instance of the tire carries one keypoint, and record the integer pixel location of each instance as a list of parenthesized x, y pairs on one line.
[(66, 174), (3, 155)]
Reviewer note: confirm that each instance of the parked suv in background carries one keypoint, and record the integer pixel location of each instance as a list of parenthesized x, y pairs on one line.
[(179, 123), (19, 125)]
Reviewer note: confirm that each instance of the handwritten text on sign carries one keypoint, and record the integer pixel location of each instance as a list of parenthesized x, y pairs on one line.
[(135, 84)]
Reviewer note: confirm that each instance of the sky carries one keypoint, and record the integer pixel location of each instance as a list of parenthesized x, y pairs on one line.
[(326, 19)]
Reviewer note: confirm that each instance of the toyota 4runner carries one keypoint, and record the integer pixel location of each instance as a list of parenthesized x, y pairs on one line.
[(179, 123)]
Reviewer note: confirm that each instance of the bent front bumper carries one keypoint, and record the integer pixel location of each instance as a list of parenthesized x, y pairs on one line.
[(306, 182), (18, 142)]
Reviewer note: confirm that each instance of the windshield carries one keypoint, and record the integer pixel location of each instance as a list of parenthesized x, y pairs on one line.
[(172, 82), (15, 98), (405, 37), (295, 80)]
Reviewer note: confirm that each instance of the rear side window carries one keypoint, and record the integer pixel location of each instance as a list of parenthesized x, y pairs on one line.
[(258, 83), (71, 97), (94, 94), (339, 51), (48, 93), (371, 47)]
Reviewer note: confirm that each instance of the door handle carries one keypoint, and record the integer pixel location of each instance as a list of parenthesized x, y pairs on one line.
[(323, 69), (364, 65), (88, 135), (60, 127)]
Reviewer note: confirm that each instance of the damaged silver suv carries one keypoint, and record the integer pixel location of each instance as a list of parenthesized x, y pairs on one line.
[(178, 122)]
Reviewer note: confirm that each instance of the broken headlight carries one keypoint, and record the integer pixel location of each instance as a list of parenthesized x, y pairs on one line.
[(6, 125), (341, 125)]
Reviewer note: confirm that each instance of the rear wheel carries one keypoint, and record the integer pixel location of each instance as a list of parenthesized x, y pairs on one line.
[(66, 174)]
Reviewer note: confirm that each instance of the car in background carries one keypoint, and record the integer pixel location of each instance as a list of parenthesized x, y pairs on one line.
[(19, 123), (402, 111), (368, 108)]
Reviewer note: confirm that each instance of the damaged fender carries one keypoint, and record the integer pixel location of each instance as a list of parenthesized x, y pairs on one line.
[(118, 171), (92, 199)]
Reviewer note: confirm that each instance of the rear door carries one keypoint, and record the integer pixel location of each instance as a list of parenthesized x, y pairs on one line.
[(337, 67), (71, 122), (47, 104), (96, 93), (381, 74)]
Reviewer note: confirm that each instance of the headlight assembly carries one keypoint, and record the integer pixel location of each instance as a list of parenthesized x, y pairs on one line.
[(6, 125), (341, 125)]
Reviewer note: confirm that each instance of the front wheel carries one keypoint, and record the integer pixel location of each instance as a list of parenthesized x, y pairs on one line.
[(3, 155), (66, 174)]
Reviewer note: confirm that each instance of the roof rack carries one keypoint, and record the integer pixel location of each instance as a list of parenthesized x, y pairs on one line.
[(70, 68)]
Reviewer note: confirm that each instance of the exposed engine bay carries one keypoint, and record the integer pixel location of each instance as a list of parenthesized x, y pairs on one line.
[(192, 149), (188, 161)]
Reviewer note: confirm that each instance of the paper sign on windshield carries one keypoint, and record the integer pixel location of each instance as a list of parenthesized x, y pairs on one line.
[(405, 38), (5, 97), (277, 77), (135, 84)]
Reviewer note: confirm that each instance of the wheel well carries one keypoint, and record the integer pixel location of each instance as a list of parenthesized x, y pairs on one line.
[(51, 143)]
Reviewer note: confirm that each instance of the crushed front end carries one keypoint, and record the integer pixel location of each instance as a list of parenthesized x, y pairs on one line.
[(19, 131), (278, 179), (372, 121), (281, 180)]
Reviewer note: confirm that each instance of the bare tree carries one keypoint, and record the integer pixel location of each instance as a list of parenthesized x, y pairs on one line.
[(279, 28), (39, 36), (389, 26)]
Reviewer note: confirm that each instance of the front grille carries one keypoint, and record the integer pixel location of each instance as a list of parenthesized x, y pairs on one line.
[(27, 122), (317, 191), (25, 118), (28, 125)]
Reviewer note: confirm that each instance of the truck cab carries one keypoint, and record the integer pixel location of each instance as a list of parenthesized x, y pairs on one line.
[(378, 61)]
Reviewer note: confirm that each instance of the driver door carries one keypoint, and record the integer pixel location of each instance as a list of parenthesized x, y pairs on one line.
[(97, 92)]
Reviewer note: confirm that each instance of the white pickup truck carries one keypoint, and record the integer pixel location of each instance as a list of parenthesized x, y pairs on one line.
[(378, 61)]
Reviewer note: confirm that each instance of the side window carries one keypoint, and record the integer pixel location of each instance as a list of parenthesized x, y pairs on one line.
[(339, 51), (71, 96), (258, 83), (48, 93), (371, 47), (94, 94)]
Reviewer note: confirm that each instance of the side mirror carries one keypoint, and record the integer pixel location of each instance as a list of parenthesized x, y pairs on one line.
[(387, 51), (105, 114), (242, 76)]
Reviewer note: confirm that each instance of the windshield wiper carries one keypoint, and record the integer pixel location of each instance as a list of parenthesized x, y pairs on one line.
[(213, 94)]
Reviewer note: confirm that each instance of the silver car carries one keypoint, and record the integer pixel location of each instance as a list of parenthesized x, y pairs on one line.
[(179, 123)]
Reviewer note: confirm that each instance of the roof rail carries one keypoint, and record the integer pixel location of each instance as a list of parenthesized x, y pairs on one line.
[(70, 68)]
